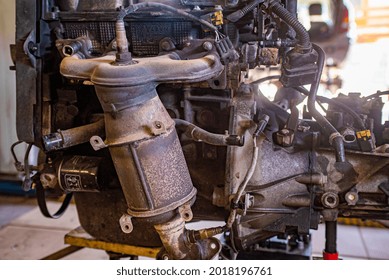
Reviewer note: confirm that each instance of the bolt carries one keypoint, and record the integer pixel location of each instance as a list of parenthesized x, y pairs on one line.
[(351, 198), (207, 46), (158, 125), (165, 46), (330, 200)]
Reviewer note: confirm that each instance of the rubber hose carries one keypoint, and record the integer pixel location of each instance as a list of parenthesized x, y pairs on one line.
[(286, 16)]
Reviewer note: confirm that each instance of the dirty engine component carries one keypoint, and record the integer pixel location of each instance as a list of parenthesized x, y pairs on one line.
[(148, 113)]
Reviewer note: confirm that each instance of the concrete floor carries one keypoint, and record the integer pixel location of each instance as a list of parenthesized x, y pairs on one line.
[(26, 234)]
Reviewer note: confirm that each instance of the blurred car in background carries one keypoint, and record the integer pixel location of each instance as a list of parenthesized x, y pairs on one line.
[(331, 25)]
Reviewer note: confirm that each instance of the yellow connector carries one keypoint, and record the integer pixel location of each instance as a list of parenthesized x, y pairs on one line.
[(217, 18), (364, 134)]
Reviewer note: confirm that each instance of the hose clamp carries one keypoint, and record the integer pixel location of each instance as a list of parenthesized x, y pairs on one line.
[(335, 135)]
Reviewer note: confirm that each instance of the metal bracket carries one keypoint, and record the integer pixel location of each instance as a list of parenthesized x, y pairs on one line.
[(30, 47), (185, 212), (97, 143), (126, 223)]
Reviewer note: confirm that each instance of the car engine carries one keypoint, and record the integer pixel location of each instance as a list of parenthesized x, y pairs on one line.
[(149, 115)]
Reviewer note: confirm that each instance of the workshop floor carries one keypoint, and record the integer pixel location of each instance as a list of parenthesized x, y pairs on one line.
[(26, 234)]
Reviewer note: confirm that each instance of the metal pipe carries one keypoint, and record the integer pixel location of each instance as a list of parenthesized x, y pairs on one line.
[(330, 252), (71, 48), (172, 235), (200, 135), (73, 136)]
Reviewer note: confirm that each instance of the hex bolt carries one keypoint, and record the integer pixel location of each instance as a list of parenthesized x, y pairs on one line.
[(351, 198), (207, 46)]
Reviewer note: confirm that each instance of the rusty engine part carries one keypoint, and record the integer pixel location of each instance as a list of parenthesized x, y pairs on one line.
[(146, 113)]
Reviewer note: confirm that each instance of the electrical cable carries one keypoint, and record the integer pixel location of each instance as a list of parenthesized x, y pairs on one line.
[(27, 180), (133, 8), (18, 165), (291, 20), (237, 15), (264, 79), (327, 100), (377, 94), (121, 37), (235, 201)]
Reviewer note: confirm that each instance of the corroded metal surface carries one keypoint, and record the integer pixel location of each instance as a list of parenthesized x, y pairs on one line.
[(153, 175), (166, 68), (281, 180)]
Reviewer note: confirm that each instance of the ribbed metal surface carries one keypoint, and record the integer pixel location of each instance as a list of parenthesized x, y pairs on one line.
[(144, 36), (101, 33)]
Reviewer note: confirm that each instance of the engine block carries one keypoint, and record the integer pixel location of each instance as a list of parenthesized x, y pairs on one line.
[(147, 113)]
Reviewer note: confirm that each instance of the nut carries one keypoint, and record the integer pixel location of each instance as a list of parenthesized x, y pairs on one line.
[(207, 46)]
